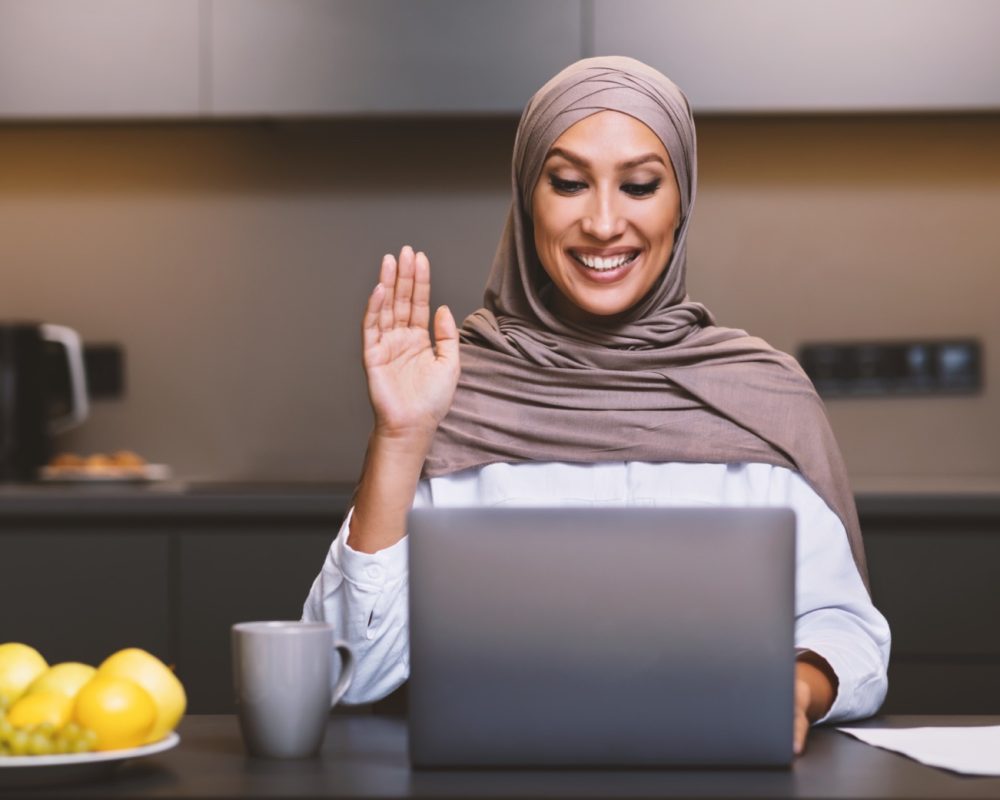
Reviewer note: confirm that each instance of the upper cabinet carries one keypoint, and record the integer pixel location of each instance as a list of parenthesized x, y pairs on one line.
[(99, 58), (108, 59), (312, 57), (813, 55)]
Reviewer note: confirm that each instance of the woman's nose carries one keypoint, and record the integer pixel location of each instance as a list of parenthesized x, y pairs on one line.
[(603, 220)]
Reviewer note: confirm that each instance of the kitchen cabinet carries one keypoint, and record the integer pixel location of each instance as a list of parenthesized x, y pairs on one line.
[(933, 569), (318, 57), (166, 59), (85, 572), (258, 572), (81, 591), (821, 56), (99, 59)]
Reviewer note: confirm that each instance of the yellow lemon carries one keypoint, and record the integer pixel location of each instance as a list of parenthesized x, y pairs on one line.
[(19, 666), (119, 711), (34, 709), (66, 678), (156, 678)]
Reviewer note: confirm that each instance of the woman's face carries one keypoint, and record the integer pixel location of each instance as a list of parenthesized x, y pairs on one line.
[(605, 209)]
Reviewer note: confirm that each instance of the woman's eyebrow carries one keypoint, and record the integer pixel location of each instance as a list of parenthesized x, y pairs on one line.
[(580, 161)]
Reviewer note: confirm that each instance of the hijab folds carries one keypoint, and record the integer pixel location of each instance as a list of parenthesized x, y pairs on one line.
[(659, 383)]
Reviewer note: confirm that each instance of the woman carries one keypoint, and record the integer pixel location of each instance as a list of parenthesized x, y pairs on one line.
[(590, 377)]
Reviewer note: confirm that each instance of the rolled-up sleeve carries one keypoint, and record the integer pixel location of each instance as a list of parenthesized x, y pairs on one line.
[(364, 595), (835, 617)]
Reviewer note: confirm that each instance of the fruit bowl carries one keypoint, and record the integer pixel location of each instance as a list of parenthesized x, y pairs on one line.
[(23, 771)]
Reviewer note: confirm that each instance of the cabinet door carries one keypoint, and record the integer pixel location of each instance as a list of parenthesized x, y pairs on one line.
[(937, 588), (943, 687), (255, 574), (386, 56), (100, 58), (81, 595), (821, 55)]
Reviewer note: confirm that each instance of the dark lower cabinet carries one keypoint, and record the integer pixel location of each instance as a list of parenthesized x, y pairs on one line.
[(82, 594), (935, 581), (79, 591), (237, 576), (951, 687), (79, 586)]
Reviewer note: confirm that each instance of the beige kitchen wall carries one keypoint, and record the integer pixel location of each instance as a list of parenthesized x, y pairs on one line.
[(232, 262)]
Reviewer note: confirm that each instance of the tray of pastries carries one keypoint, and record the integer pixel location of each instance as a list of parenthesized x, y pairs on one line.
[(122, 465)]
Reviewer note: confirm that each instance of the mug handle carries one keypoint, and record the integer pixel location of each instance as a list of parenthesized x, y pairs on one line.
[(346, 672)]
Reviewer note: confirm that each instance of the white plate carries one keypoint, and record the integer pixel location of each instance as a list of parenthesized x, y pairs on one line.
[(147, 472), (72, 767)]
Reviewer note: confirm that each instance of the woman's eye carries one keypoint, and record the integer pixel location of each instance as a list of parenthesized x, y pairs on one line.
[(567, 187), (641, 189)]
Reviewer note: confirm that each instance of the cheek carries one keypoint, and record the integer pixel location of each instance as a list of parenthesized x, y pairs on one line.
[(660, 226), (549, 231)]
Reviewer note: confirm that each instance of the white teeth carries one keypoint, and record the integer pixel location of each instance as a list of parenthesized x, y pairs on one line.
[(599, 263)]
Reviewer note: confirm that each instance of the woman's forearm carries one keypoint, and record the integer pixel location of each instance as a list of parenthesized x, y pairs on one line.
[(385, 492)]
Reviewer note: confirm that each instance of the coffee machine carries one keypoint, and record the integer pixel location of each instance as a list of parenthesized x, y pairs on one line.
[(43, 392)]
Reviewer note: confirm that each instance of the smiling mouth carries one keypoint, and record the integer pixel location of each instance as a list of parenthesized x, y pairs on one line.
[(604, 263)]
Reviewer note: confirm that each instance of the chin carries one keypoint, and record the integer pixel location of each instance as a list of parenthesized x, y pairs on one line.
[(600, 309)]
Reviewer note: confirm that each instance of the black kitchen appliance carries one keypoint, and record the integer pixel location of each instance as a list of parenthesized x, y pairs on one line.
[(43, 391)]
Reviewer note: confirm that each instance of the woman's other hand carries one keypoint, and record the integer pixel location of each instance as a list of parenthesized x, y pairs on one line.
[(815, 690), (411, 382)]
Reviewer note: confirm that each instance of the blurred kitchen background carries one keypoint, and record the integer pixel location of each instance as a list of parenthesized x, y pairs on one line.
[(207, 188), (211, 184)]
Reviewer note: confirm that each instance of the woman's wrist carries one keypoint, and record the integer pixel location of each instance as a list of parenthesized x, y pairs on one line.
[(412, 444), (815, 671), (385, 493)]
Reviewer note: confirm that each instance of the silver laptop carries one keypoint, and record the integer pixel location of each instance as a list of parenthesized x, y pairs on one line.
[(601, 637)]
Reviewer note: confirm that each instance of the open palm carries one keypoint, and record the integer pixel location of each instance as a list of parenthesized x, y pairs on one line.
[(411, 381)]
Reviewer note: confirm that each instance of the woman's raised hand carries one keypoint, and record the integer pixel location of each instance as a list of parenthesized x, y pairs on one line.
[(411, 382)]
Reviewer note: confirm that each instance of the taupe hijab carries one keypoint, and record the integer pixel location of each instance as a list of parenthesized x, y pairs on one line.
[(659, 383)]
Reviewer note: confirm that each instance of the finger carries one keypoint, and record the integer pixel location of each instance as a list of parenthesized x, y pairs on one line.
[(802, 697), (370, 333), (387, 277), (420, 312), (801, 731), (404, 289), (446, 335)]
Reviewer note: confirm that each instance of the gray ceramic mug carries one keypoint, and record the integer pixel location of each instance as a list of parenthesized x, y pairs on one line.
[(284, 675)]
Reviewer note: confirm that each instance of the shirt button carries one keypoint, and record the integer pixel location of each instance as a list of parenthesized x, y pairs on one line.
[(374, 572)]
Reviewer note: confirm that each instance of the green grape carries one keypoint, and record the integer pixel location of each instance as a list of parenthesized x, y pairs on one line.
[(45, 739), (19, 741), (39, 744)]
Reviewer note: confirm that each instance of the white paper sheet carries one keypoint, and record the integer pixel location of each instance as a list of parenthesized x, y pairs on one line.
[(969, 750)]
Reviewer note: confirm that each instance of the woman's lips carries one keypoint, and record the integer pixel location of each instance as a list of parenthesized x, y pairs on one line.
[(605, 275)]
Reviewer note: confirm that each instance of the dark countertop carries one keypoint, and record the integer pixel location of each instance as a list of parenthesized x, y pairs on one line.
[(326, 500), (366, 757), (202, 499)]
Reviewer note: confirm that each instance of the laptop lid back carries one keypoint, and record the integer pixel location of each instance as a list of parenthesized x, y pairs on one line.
[(601, 636)]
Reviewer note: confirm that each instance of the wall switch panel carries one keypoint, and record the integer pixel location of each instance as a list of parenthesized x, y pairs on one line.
[(923, 367), (105, 365)]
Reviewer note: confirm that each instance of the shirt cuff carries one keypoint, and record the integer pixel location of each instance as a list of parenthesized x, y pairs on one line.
[(857, 696), (370, 571)]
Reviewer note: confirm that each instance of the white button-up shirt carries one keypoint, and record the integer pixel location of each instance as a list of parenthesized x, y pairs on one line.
[(365, 595)]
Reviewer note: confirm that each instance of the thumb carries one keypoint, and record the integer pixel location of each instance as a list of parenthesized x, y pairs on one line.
[(445, 335)]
